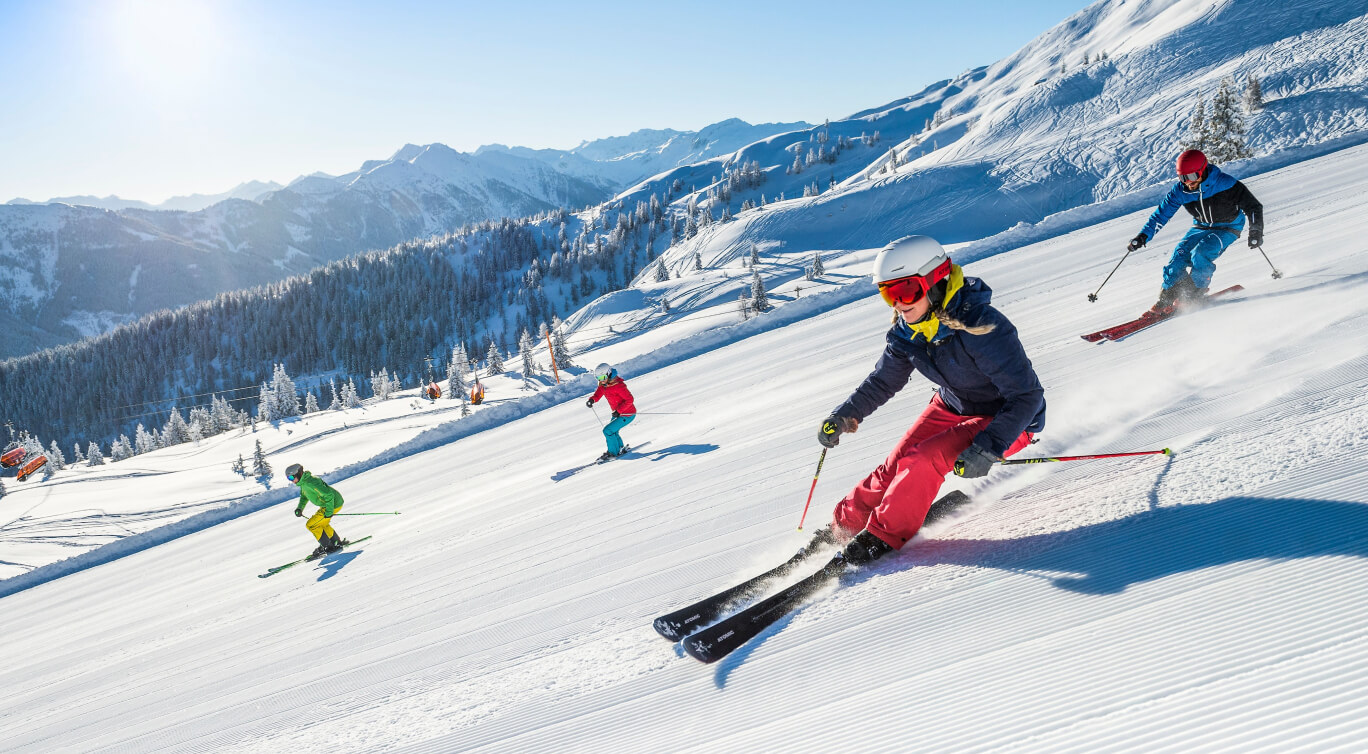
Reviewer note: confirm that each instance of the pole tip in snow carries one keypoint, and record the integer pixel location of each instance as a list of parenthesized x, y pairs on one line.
[(1167, 452), (1092, 296)]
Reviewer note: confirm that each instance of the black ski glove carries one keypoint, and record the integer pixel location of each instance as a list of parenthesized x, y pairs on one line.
[(299, 512), (832, 427), (1255, 238), (589, 403), (974, 462), (1137, 242), (616, 415)]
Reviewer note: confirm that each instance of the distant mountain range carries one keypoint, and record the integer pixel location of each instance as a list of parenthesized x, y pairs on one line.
[(78, 266)]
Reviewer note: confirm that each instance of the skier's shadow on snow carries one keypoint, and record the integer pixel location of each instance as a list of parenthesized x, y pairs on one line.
[(334, 563), (1109, 557), (692, 450)]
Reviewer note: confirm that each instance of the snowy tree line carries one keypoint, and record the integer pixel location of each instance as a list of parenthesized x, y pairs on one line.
[(485, 285)]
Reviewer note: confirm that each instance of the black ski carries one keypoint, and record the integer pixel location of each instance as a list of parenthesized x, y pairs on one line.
[(309, 559), (720, 639), (680, 623)]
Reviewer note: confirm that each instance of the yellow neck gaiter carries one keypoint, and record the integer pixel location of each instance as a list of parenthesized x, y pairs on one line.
[(929, 328)]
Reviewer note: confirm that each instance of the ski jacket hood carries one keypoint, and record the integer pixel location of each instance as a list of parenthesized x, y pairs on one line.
[(316, 491), (614, 389), (978, 375)]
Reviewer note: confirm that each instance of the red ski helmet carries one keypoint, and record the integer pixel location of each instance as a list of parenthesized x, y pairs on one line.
[(1191, 163)]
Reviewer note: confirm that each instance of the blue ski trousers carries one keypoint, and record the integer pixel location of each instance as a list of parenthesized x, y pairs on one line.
[(610, 432), (1199, 249)]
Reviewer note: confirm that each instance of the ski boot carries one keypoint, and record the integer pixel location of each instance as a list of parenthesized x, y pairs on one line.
[(335, 544), (865, 548), (319, 551), (1193, 298), (607, 456), (1164, 306)]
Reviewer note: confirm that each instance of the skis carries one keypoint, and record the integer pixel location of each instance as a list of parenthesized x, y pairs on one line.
[(345, 544), (720, 639), (714, 642), (1148, 319)]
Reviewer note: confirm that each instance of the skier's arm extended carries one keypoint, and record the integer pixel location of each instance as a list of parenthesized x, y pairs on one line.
[(889, 376)]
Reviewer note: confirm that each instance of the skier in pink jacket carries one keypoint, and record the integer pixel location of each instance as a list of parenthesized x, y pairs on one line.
[(612, 387)]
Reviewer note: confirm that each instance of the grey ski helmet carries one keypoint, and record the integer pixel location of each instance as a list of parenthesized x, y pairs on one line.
[(604, 371), (293, 472)]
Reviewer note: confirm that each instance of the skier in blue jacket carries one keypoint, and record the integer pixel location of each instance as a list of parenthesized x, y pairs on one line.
[(1219, 205)]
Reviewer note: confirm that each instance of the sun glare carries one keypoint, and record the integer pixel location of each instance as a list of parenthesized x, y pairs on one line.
[(163, 42)]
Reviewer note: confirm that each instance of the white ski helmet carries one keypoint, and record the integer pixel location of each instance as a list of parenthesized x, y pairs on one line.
[(603, 371), (912, 255)]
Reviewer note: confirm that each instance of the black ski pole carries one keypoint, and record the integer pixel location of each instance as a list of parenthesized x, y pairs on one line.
[(1276, 273), (1093, 296)]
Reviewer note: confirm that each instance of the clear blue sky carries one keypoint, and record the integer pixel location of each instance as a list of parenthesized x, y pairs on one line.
[(152, 98)]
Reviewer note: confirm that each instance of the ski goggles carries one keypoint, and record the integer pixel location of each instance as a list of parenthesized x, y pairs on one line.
[(604, 377), (292, 477), (1191, 177), (906, 291)]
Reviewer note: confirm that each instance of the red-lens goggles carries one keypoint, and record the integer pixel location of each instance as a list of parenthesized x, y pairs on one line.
[(906, 291)]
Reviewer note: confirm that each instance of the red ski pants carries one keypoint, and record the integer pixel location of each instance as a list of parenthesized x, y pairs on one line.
[(892, 501)]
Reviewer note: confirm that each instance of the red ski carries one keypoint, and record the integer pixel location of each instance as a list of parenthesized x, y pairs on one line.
[(1145, 320)]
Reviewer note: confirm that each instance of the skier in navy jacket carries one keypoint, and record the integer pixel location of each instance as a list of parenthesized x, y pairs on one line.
[(1219, 205), (988, 406)]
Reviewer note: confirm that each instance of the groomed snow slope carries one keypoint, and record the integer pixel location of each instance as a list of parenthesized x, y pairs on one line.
[(1211, 601)]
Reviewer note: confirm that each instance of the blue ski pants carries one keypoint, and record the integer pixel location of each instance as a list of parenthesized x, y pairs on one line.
[(610, 432), (1199, 249)]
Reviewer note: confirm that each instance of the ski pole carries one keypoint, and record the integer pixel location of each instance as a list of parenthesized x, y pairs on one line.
[(1276, 273), (1015, 461), (1093, 296), (664, 413), (596, 416), (395, 513), (816, 474)]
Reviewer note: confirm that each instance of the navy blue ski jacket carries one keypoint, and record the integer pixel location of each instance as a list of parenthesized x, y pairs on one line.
[(978, 375), (1219, 203)]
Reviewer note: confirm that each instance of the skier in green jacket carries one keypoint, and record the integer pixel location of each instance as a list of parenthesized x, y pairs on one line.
[(329, 501)]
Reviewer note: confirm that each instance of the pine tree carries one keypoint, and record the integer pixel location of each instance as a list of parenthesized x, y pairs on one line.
[(76, 455), (121, 449), (529, 367), (698, 261), (260, 467), (494, 360), (558, 347), (1227, 127), (350, 398), (2, 488), (240, 466), (55, 457), (1199, 137), (283, 394), (456, 371), (336, 403), (661, 274), (1253, 96), (754, 254), (743, 306), (93, 455), (759, 301), (310, 403), (143, 441), (380, 385), (175, 432)]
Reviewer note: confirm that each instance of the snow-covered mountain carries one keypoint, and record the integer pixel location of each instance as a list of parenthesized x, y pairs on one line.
[(251, 191), (1041, 132), (68, 271), (1207, 601)]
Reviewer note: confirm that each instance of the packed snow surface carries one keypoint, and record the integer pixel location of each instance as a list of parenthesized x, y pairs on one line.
[(1207, 601)]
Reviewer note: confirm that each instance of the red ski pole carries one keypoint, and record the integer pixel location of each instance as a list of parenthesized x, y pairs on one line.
[(816, 474), (1015, 461)]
